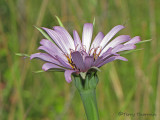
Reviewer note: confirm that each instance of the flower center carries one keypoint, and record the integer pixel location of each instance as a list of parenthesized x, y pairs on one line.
[(92, 52), (95, 52)]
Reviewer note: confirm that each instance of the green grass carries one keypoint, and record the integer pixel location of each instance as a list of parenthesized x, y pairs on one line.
[(128, 87)]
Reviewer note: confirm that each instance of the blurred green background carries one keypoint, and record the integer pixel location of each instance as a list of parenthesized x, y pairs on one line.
[(128, 87)]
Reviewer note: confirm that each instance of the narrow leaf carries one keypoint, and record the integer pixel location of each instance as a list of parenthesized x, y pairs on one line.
[(44, 34), (52, 70), (22, 55), (39, 71), (59, 21)]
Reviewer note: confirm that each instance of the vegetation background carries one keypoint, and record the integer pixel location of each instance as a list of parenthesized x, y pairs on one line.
[(128, 87)]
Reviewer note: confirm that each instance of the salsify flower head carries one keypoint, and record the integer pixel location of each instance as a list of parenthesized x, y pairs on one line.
[(72, 55)]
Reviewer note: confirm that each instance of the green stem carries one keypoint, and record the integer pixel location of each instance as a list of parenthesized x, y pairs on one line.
[(86, 87), (90, 104)]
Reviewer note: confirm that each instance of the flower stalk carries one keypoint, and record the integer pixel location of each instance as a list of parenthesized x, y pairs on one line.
[(87, 91)]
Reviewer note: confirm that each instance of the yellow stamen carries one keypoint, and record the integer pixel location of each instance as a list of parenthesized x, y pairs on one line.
[(100, 51), (70, 60), (91, 51), (95, 52)]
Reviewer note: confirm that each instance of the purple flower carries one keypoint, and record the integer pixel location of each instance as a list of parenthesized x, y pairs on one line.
[(73, 56)]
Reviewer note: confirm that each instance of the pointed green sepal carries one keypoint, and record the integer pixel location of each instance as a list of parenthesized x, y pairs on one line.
[(51, 70), (94, 20), (89, 82), (130, 51), (83, 74), (59, 21), (143, 41)]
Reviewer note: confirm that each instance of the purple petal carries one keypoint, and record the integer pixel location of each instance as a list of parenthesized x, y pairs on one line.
[(48, 66), (117, 48), (120, 58), (45, 57), (98, 61), (107, 52), (46, 50), (67, 39), (51, 48), (110, 35), (68, 74), (118, 40), (57, 39), (64, 63), (77, 40), (103, 56), (97, 40), (84, 54), (126, 47), (87, 35), (110, 59), (134, 40), (78, 60), (88, 62)]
